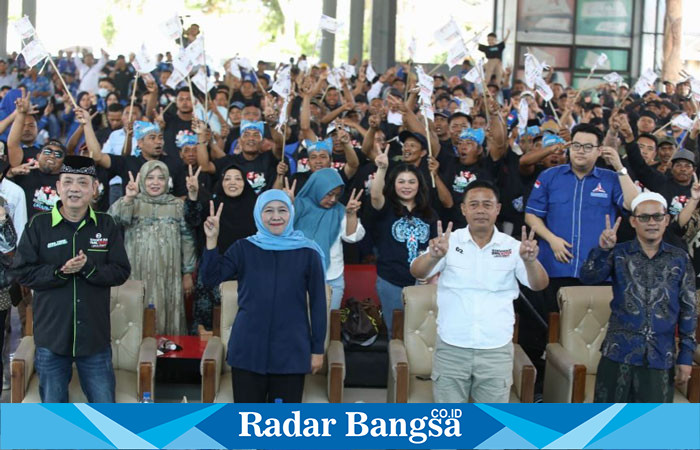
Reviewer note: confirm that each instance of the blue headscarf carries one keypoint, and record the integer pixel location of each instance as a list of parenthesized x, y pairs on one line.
[(551, 139), (142, 129), (316, 222), (473, 134), (290, 239)]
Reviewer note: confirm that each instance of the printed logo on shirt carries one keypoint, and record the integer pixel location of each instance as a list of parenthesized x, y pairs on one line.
[(640, 186), (537, 184), (677, 204), (599, 192), (338, 165), (303, 165), (368, 183), (413, 232), (98, 241), (45, 198), (462, 180), (56, 243), (256, 181), (501, 253)]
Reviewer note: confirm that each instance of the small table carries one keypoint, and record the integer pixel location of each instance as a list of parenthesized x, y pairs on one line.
[(181, 366)]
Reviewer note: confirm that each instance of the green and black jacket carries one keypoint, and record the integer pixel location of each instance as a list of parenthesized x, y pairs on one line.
[(71, 312)]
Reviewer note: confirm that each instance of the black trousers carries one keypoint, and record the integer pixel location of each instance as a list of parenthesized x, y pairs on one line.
[(251, 387), (623, 383)]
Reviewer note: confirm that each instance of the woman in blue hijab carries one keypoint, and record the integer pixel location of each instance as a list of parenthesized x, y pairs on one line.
[(322, 218), (273, 344)]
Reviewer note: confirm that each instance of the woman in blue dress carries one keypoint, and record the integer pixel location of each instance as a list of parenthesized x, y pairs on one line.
[(273, 344)]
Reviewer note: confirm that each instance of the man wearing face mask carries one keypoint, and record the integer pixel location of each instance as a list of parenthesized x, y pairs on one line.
[(150, 140), (260, 167)]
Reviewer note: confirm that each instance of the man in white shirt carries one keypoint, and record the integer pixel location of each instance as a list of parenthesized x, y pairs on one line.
[(480, 268), (90, 71)]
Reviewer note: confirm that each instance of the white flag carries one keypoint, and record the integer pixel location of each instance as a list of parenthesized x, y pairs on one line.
[(645, 82), (195, 52), (543, 89), (523, 114), (448, 33), (283, 83), (474, 76), (600, 62), (371, 74), (143, 62), (303, 65), (172, 28), (412, 48), (613, 78), (683, 121), (464, 106), (202, 81), (234, 70), (694, 85), (182, 63), (395, 118), (283, 115), (244, 63), (174, 79), (333, 79), (347, 70), (533, 70), (24, 27), (34, 53), (457, 53), (425, 83), (429, 112), (329, 24)]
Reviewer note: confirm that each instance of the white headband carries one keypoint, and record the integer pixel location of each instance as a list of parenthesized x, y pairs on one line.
[(649, 197)]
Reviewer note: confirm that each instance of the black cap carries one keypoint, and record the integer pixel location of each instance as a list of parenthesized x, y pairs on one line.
[(647, 113), (409, 134), (79, 165)]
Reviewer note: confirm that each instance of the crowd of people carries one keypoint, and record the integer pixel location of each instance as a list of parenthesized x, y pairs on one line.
[(206, 186)]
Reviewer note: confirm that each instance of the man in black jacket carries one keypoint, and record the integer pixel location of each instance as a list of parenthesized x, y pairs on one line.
[(71, 257)]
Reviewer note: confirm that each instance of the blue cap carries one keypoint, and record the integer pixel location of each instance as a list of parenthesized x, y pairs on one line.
[(184, 138), (532, 131), (238, 105), (551, 139), (250, 125), (473, 134), (325, 145)]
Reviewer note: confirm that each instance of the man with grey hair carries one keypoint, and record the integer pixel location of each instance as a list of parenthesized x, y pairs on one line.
[(653, 294)]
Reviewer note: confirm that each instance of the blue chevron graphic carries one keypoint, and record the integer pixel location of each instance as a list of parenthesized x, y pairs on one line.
[(69, 412), (627, 415), (120, 436), (582, 435), (506, 439), (530, 431), (194, 438), (161, 435)]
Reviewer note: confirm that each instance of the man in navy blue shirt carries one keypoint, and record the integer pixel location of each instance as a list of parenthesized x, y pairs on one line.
[(568, 205)]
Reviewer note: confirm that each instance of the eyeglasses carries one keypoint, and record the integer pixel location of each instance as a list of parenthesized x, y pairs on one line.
[(644, 218), (586, 148), (56, 153)]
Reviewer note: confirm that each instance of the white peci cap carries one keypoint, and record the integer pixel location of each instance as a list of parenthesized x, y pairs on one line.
[(649, 197)]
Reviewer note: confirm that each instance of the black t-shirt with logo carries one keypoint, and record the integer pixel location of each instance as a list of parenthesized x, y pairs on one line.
[(173, 125), (260, 172), (459, 176)]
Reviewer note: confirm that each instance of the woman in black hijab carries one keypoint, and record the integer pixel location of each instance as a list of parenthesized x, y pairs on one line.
[(236, 223)]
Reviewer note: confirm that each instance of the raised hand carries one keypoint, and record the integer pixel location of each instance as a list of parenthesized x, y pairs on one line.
[(289, 190), (132, 188), (438, 246), (375, 121), (23, 104), (354, 203), (695, 189), (192, 182), (211, 225), (433, 165), (608, 238), (83, 117), (282, 168), (382, 159), (528, 246), (611, 157)]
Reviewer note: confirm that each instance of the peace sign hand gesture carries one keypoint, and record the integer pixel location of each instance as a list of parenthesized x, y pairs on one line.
[(192, 182), (528, 246), (132, 188), (211, 225), (695, 189), (438, 246), (354, 203), (289, 190), (608, 238), (382, 159)]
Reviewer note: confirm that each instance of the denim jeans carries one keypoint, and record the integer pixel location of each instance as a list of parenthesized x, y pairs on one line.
[(390, 298), (95, 372), (337, 289)]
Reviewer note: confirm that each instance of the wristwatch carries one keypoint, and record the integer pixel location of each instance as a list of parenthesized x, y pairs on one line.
[(623, 171)]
